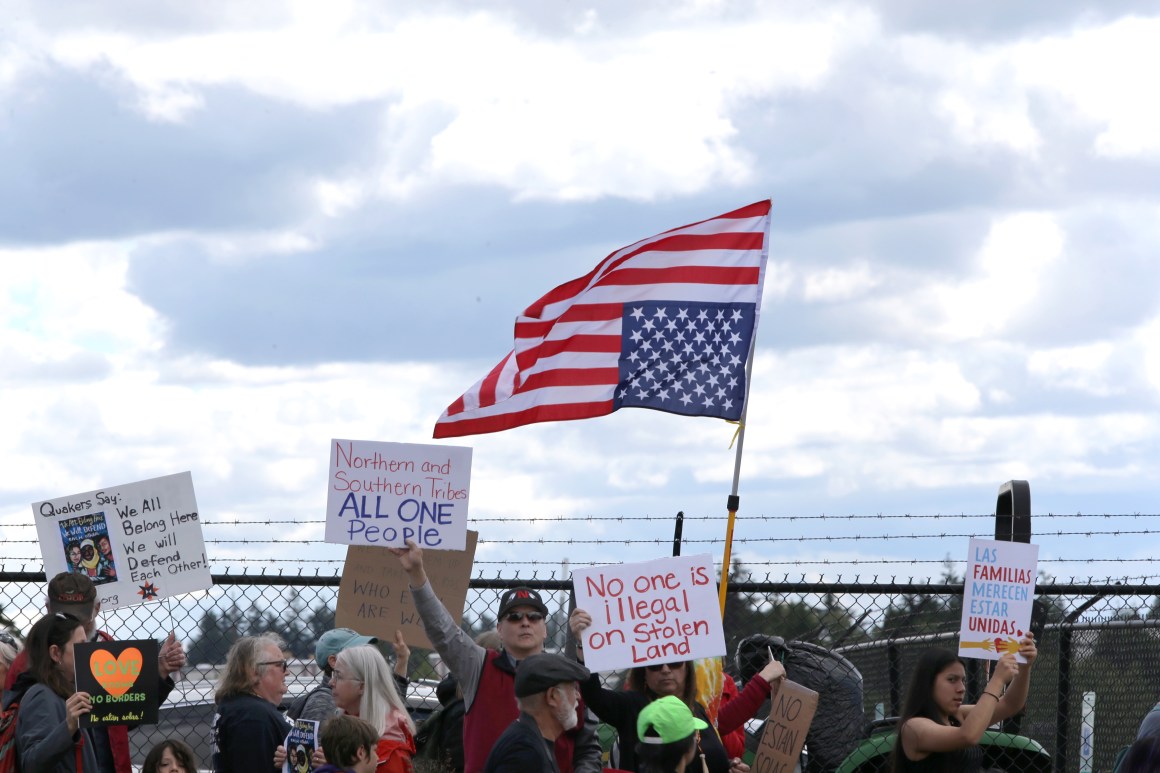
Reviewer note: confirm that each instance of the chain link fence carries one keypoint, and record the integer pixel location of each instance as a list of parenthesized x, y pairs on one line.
[(1099, 647)]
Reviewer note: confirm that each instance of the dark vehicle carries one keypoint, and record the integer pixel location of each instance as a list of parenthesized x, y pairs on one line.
[(1001, 752), (840, 740)]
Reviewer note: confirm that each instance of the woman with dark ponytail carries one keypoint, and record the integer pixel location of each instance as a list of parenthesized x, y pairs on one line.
[(937, 732)]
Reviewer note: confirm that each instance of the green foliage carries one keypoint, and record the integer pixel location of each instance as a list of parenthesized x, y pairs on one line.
[(217, 632), (790, 618)]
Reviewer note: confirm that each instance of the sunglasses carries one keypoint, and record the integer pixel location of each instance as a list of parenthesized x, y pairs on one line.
[(7, 638), (515, 617), (284, 665), (672, 666)]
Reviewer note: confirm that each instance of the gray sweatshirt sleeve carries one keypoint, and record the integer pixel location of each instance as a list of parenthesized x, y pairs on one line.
[(319, 706), (42, 737), (463, 656), (586, 753)]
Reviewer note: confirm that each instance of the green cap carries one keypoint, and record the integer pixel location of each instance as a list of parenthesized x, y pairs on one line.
[(666, 720)]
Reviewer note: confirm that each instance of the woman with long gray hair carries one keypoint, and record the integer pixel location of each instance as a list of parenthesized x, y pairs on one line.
[(364, 688)]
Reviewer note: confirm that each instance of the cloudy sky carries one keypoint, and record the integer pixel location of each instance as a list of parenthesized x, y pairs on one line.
[(233, 231)]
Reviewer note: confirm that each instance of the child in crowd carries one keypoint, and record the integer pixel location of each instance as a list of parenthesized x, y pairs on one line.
[(170, 756), (349, 745)]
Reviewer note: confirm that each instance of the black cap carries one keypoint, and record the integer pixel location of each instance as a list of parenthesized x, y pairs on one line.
[(537, 673), (521, 597)]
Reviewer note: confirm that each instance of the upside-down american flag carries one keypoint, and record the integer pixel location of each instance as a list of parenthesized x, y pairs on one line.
[(665, 323)]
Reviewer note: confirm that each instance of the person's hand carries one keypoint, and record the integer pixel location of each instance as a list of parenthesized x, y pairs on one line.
[(172, 656), (279, 756), (402, 654), (1006, 668), (773, 672), (737, 766), (411, 557), (77, 705), (318, 759), (1027, 648), (578, 621)]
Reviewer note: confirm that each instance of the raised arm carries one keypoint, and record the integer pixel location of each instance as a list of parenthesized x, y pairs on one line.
[(462, 655), (745, 704), (1015, 698)]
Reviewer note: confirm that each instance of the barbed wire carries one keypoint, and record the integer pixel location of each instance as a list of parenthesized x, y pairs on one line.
[(670, 518), (700, 541)]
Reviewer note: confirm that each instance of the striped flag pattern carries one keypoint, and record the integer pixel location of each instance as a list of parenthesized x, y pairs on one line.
[(663, 323)]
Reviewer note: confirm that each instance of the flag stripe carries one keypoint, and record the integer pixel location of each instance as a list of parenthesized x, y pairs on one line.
[(691, 243), (572, 376), (487, 388), (500, 422)]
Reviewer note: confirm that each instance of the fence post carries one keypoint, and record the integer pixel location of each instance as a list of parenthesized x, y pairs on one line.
[(894, 669), (1013, 524), (1063, 685)]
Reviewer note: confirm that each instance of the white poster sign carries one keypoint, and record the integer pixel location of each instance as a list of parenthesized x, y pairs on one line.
[(387, 493), (659, 611), (137, 542), (997, 598)]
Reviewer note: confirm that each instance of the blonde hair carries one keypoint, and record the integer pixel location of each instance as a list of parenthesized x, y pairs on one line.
[(242, 663), (380, 698)]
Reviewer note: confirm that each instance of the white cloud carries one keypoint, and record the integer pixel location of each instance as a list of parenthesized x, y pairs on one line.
[(839, 284), (1015, 253), (571, 119), (1083, 368), (987, 92)]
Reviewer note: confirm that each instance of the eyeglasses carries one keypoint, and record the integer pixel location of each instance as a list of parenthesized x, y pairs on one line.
[(338, 677), (7, 638), (672, 666), (515, 617), (284, 665), (67, 617)]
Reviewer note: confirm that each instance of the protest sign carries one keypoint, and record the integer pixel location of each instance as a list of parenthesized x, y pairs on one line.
[(998, 595), (374, 596), (790, 715), (137, 542), (387, 493), (650, 612), (300, 745), (122, 678)]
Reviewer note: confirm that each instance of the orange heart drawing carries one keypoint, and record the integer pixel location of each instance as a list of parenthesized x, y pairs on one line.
[(116, 675)]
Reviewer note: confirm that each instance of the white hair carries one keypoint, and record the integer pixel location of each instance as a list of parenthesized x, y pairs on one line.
[(379, 698)]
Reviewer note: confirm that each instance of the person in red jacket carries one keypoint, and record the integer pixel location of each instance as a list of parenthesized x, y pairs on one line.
[(74, 594), (487, 677)]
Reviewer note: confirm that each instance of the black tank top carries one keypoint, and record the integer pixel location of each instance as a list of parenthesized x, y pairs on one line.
[(968, 760)]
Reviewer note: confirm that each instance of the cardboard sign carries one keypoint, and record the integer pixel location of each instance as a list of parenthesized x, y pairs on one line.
[(998, 595), (122, 678), (300, 745), (650, 612), (790, 715), (387, 493), (137, 542), (374, 597)]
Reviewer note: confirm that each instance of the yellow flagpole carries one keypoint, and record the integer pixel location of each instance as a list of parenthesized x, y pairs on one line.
[(733, 504)]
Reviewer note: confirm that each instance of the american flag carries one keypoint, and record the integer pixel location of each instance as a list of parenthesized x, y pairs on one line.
[(664, 323)]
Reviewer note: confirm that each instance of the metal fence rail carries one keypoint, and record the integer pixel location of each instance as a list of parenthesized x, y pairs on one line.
[(1099, 644)]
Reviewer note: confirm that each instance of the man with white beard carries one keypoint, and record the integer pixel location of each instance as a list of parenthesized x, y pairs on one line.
[(548, 697)]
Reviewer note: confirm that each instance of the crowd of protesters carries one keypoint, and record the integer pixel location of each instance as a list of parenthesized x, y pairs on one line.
[(508, 706)]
